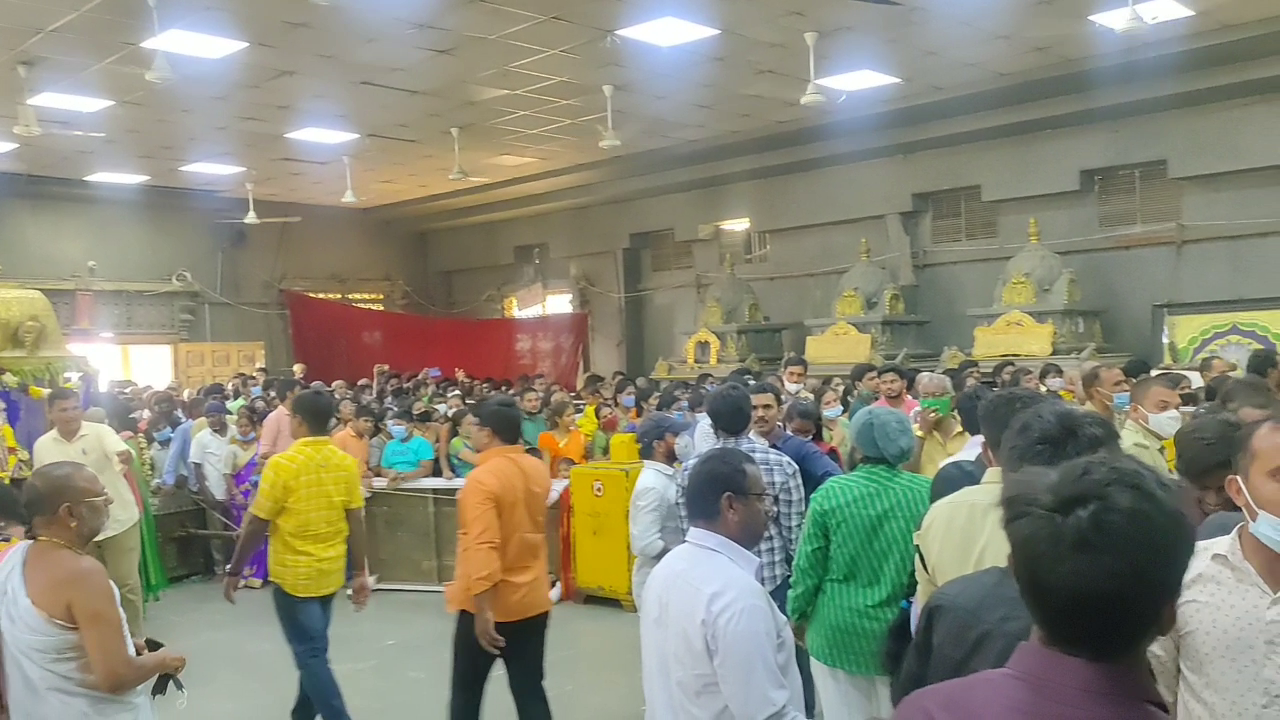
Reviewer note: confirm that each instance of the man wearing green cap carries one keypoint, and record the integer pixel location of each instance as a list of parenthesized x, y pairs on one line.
[(938, 431)]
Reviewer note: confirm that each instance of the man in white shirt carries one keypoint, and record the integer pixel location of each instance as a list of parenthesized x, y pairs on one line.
[(713, 644), (208, 462), (653, 519), (1220, 660), (703, 432), (119, 545)]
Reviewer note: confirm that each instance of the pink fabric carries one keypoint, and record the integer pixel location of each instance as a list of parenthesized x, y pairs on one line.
[(909, 405), (277, 435)]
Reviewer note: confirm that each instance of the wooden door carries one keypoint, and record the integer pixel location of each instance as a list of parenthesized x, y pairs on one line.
[(199, 364)]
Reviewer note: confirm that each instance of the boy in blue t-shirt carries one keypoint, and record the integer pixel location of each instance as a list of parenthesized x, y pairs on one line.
[(407, 456)]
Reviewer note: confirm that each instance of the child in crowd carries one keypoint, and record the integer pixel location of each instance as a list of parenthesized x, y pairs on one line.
[(563, 468)]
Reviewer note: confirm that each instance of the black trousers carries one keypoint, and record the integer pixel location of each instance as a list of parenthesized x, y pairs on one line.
[(523, 656), (779, 596)]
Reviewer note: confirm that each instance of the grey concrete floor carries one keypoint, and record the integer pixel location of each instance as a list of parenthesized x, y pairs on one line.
[(392, 660)]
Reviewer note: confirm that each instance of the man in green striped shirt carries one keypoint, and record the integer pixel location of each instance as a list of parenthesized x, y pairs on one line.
[(854, 565)]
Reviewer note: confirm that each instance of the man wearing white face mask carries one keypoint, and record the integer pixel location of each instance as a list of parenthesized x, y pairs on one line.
[(795, 370), (1153, 418), (653, 518), (1219, 661)]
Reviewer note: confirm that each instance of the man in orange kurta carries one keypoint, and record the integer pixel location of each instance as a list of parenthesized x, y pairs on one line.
[(501, 578)]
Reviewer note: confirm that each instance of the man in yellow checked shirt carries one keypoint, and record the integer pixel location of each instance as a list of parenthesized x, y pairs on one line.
[(310, 496)]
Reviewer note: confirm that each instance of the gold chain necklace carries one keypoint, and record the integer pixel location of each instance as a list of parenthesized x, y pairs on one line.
[(66, 545)]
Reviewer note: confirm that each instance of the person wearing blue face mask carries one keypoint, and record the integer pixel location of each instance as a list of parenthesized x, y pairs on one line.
[(1219, 659), (1106, 390), (407, 455), (624, 398)]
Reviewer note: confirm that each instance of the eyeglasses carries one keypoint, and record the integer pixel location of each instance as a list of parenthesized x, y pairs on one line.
[(100, 498), (767, 499)]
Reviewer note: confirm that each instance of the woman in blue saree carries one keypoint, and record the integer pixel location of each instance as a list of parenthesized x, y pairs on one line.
[(245, 470)]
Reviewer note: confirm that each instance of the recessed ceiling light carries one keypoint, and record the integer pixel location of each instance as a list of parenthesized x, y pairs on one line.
[(857, 80), (185, 42), (207, 168), (117, 178), (321, 135), (7, 146), (668, 31), (510, 160), (1151, 12), (78, 103)]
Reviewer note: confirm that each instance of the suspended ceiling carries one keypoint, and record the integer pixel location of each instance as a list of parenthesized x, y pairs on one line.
[(520, 77)]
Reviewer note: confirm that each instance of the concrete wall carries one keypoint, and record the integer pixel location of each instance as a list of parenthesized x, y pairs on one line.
[(1224, 156), (51, 229)]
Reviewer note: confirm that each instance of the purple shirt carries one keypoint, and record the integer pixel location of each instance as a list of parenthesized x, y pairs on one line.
[(1039, 683)]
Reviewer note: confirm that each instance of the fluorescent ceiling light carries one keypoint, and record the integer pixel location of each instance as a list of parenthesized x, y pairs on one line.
[(1151, 12), (185, 42), (78, 103), (738, 225), (321, 135), (207, 168), (7, 146), (117, 178), (858, 80), (668, 31)]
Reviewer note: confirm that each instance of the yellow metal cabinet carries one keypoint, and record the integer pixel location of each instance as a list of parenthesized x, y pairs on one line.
[(600, 496)]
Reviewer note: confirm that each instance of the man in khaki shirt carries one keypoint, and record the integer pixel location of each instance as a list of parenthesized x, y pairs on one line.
[(119, 545), (938, 431), (964, 532), (1153, 418)]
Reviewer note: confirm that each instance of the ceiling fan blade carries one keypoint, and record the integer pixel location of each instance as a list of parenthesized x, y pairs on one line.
[(280, 220), (240, 221)]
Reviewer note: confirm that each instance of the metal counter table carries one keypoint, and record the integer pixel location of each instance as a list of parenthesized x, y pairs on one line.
[(413, 533)]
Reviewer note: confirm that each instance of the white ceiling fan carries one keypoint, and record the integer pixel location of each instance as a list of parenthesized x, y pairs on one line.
[(609, 139), (160, 71), (251, 218), (458, 174), (28, 124), (812, 94), (1133, 22), (349, 197)]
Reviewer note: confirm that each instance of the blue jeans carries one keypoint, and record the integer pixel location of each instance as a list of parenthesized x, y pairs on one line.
[(305, 622)]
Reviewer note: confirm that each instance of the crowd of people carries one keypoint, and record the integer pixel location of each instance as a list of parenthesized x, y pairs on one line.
[(891, 544)]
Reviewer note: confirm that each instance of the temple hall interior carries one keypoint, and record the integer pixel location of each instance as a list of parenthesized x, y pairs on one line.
[(467, 197)]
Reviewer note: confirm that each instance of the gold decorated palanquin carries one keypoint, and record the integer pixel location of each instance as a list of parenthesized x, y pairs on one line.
[(1036, 284), (866, 299), (1014, 334), (840, 344)]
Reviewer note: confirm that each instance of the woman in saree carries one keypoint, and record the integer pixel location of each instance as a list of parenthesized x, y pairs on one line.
[(242, 480)]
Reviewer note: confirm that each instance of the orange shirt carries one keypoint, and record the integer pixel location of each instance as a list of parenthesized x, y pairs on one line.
[(354, 444), (574, 447), (502, 536)]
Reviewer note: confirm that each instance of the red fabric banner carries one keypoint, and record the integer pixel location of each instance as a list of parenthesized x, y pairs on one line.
[(341, 342)]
